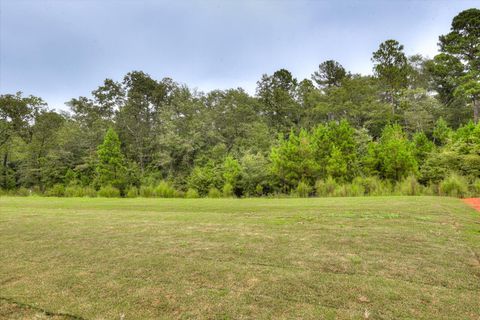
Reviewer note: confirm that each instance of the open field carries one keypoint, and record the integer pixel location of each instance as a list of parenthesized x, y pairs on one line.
[(334, 258)]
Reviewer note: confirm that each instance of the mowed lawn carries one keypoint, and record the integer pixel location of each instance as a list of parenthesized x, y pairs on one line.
[(333, 258)]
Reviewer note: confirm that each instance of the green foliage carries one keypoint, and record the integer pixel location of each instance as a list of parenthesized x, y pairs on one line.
[(422, 146), (409, 186), (325, 188), (74, 191), (294, 159), (349, 190), (231, 171), (132, 192), (108, 192), (392, 157), (164, 190), (254, 178), (192, 194), (330, 73), (227, 190), (454, 185), (441, 132), (373, 186), (147, 192), (22, 192), (476, 188), (409, 118), (58, 190), (111, 169), (214, 193), (303, 190), (204, 178), (89, 192)]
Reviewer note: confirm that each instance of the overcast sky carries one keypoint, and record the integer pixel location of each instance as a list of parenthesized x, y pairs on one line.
[(66, 48)]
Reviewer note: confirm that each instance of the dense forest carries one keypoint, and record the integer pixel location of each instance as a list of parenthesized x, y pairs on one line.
[(412, 127)]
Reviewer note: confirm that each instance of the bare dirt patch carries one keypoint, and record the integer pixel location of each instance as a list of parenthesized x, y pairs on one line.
[(474, 202)]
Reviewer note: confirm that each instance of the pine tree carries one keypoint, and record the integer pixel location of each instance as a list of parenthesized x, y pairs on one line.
[(111, 169)]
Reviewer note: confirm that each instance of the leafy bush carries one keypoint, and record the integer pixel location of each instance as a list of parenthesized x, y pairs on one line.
[(303, 189), (476, 187), (89, 192), (203, 178), (373, 186), (22, 192), (409, 187), (147, 192), (132, 192), (74, 191), (258, 190), (227, 190), (214, 193), (192, 193), (164, 190), (325, 188), (454, 185), (349, 190), (57, 190), (109, 192)]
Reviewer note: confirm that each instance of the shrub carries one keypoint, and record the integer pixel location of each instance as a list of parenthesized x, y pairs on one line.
[(303, 190), (214, 193), (109, 192), (227, 190), (164, 190), (132, 192), (57, 190), (476, 187), (454, 185), (22, 192), (409, 187), (146, 192), (325, 188), (74, 191), (192, 193), (89, 192), (258, 190), (373, 186), (349, 190)]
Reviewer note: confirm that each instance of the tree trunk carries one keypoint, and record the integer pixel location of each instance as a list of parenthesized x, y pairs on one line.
[(476, 109)]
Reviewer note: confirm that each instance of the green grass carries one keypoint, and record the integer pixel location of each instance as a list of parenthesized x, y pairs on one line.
[(334, 258)]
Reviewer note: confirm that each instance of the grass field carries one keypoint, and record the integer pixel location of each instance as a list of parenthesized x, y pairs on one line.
[(334, 258)]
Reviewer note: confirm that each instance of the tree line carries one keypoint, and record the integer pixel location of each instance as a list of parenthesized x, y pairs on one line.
[(412, 126)]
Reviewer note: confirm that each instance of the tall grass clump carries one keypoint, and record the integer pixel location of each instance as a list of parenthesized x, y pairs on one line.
[(164, 190), (349, 190), (74, 191), (192, 194), (132, 192), (409, 187), (146, 192), (23, 192), (58, 190), (302, 190), (109, 192), (214, 193), (227, 190), (476, 188), (89, 192), (373, 186), (454, 185), (326, 188)]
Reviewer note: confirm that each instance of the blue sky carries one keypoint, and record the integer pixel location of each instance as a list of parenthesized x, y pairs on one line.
[(65, 48)]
